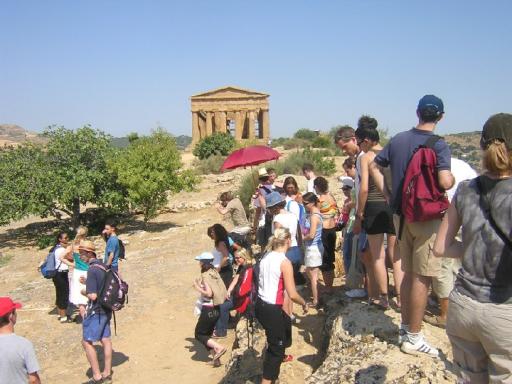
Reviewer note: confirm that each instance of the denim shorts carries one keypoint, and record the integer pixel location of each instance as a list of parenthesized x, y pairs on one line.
[(96, 326)]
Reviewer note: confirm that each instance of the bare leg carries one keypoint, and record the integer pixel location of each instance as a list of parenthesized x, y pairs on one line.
[(366, 259), (92, 358), (107, 351), (313, 278), (62, 312), (378, 270), (418, 301), (398, 274), (405, 288), (443, 305), (81, 310)]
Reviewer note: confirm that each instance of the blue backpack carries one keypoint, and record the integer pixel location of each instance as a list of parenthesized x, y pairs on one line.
[(48, 268)]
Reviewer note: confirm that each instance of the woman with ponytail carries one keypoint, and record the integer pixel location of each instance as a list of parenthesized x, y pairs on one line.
[(276, 277), (479, 316), (312, 236)]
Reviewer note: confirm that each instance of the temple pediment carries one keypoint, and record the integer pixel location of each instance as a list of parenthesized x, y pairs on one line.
[(228, 92)]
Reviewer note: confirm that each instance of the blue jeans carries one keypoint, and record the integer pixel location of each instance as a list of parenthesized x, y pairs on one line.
[(221, 327), (347, 250)]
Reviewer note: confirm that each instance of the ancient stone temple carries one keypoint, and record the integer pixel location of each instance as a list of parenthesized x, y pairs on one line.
[(240, 112)]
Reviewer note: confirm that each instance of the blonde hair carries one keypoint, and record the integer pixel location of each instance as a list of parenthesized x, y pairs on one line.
[(278, 239), (496, 159), (242, 252), (81, 234)]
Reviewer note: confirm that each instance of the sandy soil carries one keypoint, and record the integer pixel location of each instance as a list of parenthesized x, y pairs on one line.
[(155, 332)]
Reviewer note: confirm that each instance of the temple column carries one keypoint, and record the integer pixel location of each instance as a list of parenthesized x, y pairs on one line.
[(217, 122), (209, 128), (223, 122), (252, 127), (196, 135), (239, 124), (264, 127)]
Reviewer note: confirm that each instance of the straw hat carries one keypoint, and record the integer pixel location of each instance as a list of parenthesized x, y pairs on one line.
[(87, 245)]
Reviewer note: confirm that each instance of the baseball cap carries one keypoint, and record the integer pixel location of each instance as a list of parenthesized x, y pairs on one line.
[(431, 101), (7, 305), (273, 198), (205, 256), (498, 127), (346, 182)]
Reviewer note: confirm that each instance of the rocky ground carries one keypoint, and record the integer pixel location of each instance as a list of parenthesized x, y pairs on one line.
[(155, 343)]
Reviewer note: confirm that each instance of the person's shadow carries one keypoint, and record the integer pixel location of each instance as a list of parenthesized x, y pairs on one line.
[(200, 352), (118, 358)]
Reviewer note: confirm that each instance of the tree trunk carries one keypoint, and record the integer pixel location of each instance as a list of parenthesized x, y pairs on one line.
[(75, 218)]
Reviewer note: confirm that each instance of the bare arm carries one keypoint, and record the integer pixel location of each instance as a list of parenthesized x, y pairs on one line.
[(363, 186), (92, 296), (233, 284), (446, 245), (223, 249), (289, 283), (446, 179), (33, 378), (222, 210)]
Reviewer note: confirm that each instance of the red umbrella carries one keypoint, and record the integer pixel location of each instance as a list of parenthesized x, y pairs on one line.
[(249, 156)]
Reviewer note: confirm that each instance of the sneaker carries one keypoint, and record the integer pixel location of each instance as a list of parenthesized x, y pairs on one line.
[(419, 348), (357, 293), (63, 319)]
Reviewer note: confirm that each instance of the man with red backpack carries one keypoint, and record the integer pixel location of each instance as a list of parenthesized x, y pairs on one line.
[(420, 167)]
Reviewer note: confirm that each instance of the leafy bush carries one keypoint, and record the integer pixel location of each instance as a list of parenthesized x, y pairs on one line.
[(216, 144), (296, 143), (210, 165), (305, 134), (322, 141), (321, 160)]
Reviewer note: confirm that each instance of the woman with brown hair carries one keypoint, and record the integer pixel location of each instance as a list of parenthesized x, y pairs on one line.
[(479, 316), (312, 236)]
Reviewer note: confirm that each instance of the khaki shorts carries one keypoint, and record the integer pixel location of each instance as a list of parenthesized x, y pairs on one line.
[(481, 339), (417, 247), (443, 283)]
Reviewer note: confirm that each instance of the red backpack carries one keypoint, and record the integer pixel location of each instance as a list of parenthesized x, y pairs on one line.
[(422, 197)]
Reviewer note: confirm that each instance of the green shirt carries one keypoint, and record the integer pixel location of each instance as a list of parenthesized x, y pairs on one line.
[(79, 264)]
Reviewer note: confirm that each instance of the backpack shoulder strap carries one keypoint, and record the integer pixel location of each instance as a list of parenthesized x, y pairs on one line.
[(99, 267), (431, 141), (484, 203)]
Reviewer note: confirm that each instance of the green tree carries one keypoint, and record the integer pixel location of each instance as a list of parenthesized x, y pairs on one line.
[(70, 172), (305, 134), (216, 144), (150, 168), (78, 170)]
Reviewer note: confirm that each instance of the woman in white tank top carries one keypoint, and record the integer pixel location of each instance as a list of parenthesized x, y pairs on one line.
[(276, 277)]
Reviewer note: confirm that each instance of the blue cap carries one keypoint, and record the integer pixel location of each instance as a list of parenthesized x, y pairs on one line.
[(205, 256), (273, 198), (431, 101)]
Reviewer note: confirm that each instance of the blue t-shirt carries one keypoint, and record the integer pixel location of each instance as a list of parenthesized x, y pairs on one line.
[(94, 284), (112, 246), (398, 152)]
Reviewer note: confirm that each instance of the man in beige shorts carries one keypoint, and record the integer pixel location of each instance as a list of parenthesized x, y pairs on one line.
[(417, 238)]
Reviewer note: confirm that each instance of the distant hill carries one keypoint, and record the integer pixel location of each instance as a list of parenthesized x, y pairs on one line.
[(12, 134), (466, 146)]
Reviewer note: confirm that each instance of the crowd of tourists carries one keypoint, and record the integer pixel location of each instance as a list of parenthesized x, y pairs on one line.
[(408, 208)]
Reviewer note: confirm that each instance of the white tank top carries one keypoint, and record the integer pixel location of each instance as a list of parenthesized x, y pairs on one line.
[(271, 283)]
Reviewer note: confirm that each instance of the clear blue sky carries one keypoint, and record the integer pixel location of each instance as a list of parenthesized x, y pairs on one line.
[(126, 66)]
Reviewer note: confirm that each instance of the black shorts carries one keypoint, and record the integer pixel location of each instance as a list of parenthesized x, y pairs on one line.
[(378, 218)]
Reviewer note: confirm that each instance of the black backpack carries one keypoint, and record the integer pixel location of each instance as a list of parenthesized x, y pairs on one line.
[(122, 253), (114, 293)]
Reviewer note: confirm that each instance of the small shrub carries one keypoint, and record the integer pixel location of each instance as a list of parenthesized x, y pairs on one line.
[(216, 144), (322, 141), (305, 134), (210, 165), (296, 143), (46, 241), (4, 259)]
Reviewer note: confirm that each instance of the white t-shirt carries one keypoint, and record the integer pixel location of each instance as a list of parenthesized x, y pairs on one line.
[(59, 253), (289, 221), (461, 171), (292, 206), (311, 186), (270, 282), (217, 258), (256, 203)]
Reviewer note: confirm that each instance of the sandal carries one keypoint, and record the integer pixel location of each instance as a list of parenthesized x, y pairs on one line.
[(219, 354), (287, 358), (381, 303), (108, 379), (312, 304)]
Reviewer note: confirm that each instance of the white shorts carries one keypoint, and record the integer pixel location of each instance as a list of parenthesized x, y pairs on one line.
[(313, 255)]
